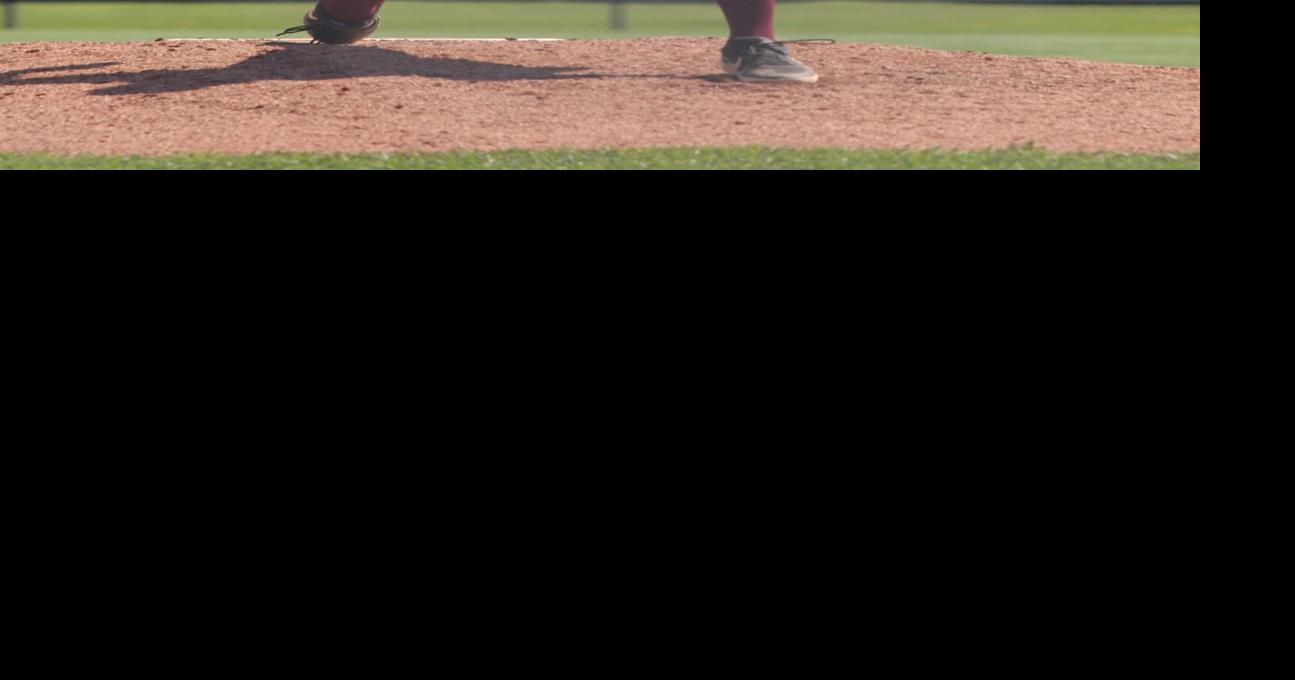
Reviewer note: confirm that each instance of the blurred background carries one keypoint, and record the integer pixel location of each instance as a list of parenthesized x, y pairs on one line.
[(1161, 32)]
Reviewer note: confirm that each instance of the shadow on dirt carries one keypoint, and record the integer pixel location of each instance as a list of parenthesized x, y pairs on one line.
[(292, 62)]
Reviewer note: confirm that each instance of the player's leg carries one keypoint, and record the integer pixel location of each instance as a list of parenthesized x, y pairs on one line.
[(749, 18), (342, 21), (352, 10), (751, 54)]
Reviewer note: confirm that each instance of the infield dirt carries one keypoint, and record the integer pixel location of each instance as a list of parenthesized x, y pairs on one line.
[(252, 96)]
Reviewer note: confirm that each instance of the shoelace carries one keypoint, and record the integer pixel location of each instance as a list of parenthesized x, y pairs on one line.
[(294, 29), (778, 47)]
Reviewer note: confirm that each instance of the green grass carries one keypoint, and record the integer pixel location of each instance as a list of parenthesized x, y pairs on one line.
[(739, 158), (1161, 35)]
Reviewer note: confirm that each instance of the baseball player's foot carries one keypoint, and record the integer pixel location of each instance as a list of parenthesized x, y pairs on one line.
[(761, 60), (326, 29)]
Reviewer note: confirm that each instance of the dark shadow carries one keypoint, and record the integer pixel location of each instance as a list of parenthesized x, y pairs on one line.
[(8, 77), (293, 62), (723, 79)]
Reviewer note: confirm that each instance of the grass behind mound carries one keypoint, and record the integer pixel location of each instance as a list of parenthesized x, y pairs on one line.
[(734, 158), (1168, 35)]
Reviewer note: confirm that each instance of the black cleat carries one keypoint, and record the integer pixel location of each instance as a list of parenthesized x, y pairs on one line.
[(761, 60), (326, 29)]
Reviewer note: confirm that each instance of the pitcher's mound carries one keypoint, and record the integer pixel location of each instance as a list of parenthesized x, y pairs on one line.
[(253, 96)]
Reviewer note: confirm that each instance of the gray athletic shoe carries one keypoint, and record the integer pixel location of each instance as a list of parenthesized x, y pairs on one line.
[(761, 60), (326, 29)]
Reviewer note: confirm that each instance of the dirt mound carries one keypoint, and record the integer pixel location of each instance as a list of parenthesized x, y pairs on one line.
[(251, 96)]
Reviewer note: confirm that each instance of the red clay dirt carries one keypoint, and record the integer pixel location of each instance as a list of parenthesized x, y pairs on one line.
[(386, 96)]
